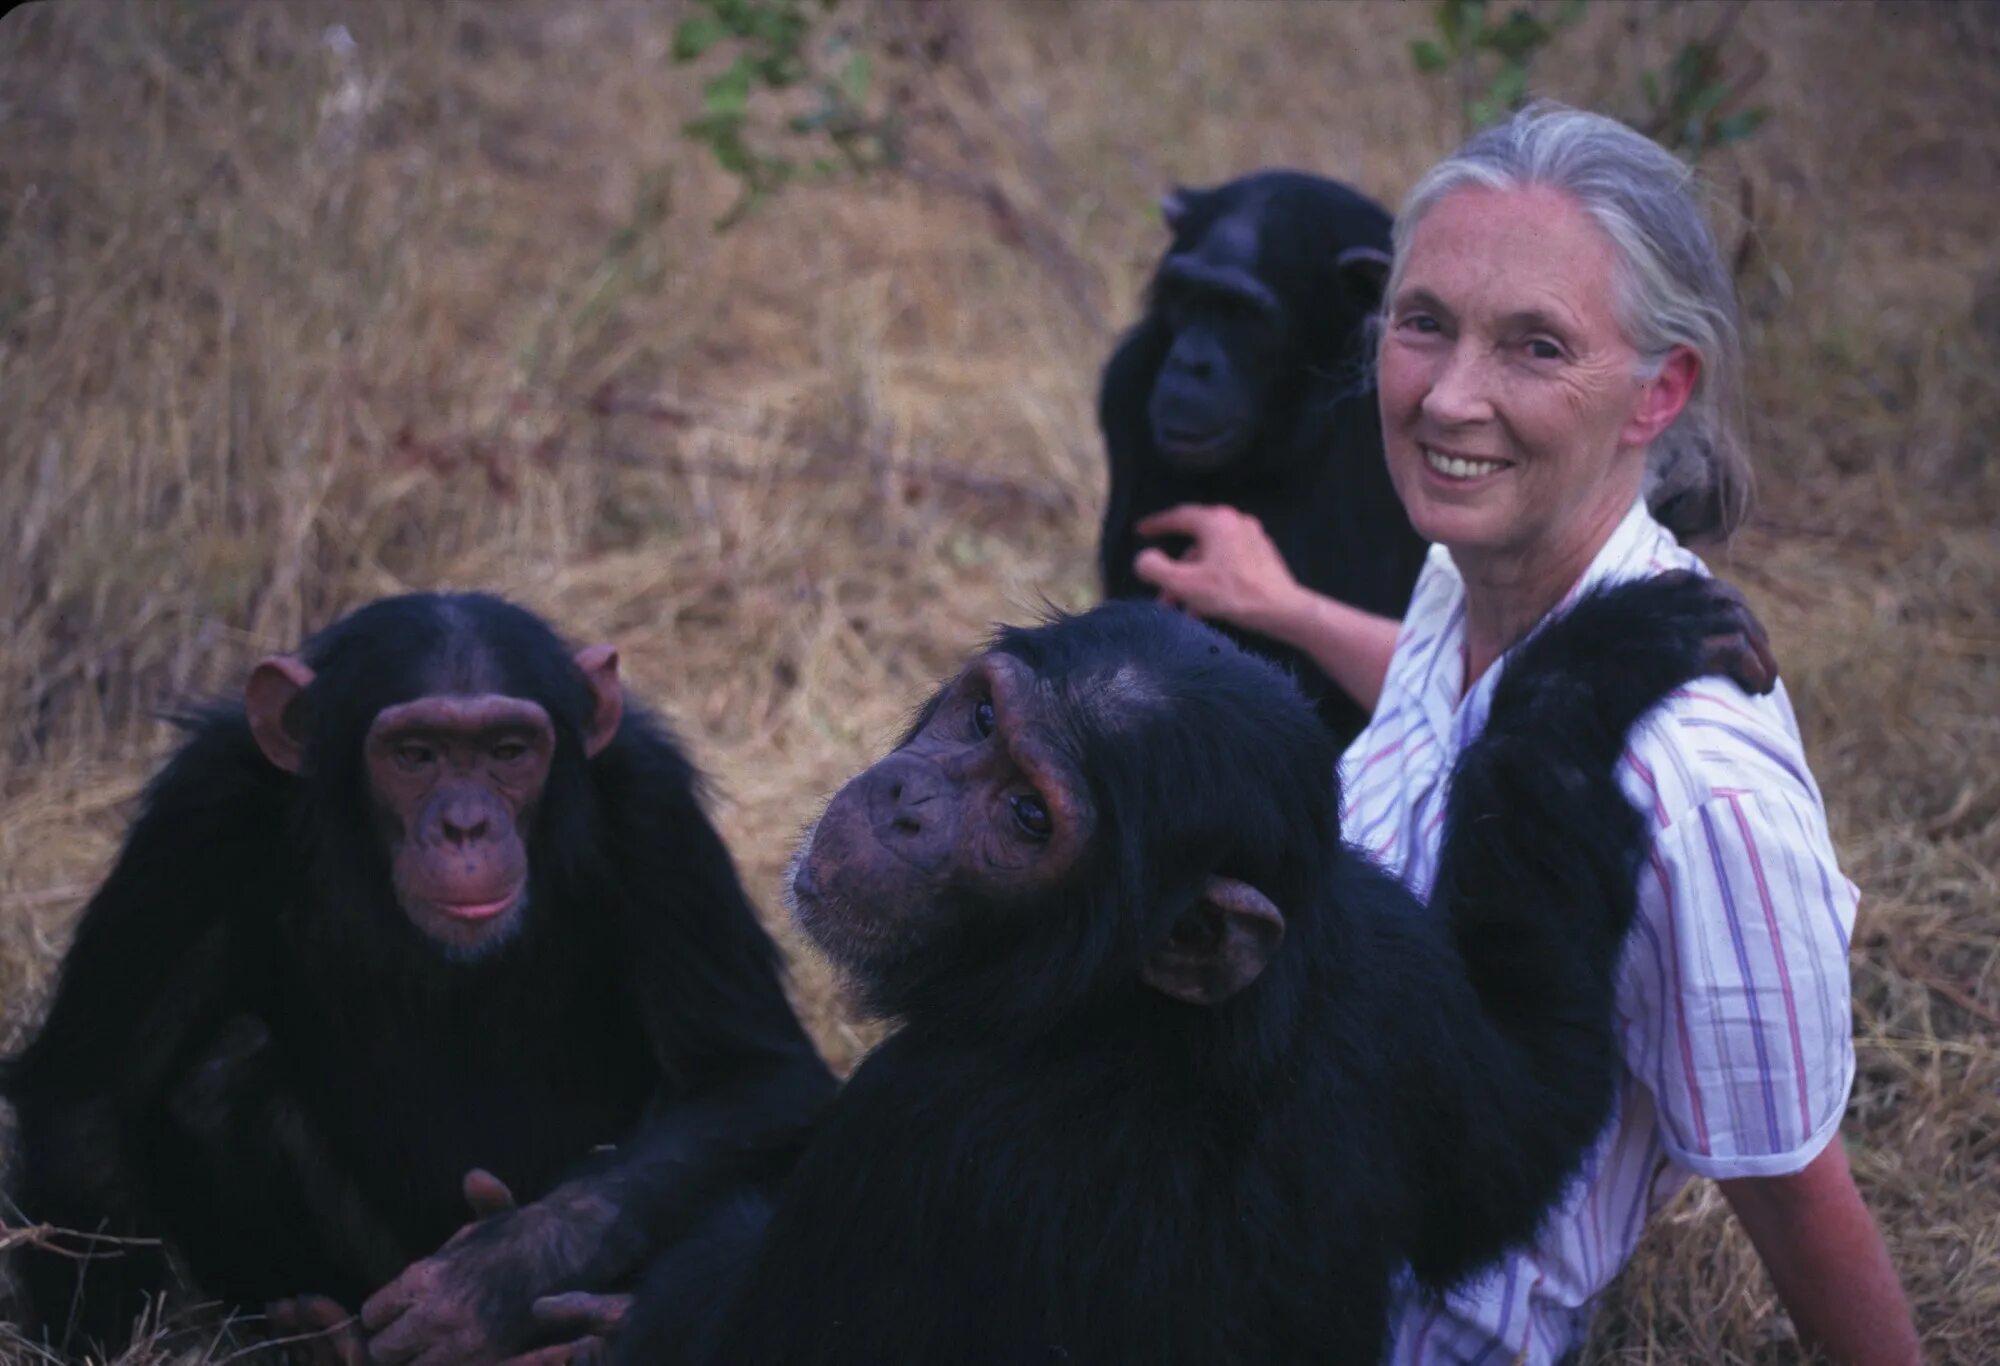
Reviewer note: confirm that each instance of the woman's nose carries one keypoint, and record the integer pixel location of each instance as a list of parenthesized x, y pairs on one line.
[(1460, 391)]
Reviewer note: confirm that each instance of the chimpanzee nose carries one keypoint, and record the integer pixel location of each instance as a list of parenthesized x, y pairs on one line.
[(463, 823), (904, 787)]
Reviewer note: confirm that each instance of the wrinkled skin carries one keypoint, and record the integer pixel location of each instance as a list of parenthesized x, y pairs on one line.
[(979, 808), (475, 1300)]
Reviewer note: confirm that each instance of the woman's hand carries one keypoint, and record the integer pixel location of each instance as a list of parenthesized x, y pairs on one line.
[(1232, 571)]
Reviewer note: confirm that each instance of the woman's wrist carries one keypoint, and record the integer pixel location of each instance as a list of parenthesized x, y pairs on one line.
[(1350, 646)]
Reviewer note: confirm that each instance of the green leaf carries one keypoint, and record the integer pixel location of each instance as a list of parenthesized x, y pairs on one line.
[(1739, 126), (1569, 12), (1509, 86), (1428, 56), (1650, 84), (854, 78), (696, 36), (1454, 17), (1517, 38), (1706, 100), (729, 92)]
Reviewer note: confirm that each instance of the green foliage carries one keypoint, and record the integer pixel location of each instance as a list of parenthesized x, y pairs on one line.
[(1490, 55), (1690, 106), (1693, 106), (783, 60)]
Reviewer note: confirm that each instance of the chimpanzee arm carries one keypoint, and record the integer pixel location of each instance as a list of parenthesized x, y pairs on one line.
[(1538, 879), (149, 979), (743, 1082), (1122, 400), (264, 1209)]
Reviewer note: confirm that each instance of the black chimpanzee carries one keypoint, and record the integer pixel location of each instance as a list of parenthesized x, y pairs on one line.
[(1248, 383), (1181, 1077), (436, 897)]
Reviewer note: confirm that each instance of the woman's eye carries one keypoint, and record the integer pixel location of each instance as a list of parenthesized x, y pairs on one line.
[(1543, 349), (1032, 817), (413, 756), (1422, 323), (982, 717)]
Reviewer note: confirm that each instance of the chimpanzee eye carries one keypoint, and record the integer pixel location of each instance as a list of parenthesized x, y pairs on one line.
[(413, 755), (507, 751), (982, 717), (1032, 817)]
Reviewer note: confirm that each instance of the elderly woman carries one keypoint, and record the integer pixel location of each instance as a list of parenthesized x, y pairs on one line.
[(1557, 321)]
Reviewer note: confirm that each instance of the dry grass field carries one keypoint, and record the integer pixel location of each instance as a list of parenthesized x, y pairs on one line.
[(289, 321)]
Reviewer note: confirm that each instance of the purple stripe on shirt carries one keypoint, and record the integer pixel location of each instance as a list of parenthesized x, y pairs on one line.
[(1825, 884), (1784, 971), (1753, 742), (1697, 1113), (1749, 981)]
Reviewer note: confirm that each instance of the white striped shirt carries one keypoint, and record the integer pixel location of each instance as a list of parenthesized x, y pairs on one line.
[(1733, 999)]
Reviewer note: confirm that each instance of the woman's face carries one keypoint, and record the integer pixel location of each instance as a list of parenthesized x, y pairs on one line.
[(1512, 411)]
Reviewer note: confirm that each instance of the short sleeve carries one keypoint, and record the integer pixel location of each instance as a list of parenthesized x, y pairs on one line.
[(1735, 1001)]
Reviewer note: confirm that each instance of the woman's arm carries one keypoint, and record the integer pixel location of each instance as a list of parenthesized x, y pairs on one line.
[(1233, 573), (1827, 1259)]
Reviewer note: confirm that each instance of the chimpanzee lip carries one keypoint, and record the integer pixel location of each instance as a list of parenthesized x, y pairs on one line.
[(1195, 441), (476, 910)]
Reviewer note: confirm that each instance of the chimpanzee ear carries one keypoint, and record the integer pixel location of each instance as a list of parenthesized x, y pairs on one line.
[(1218, 946), (1175, 203), (274, 704), (1365, 271), (600, 669)]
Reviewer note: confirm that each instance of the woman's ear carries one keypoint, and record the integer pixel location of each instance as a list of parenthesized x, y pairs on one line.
[(1662, 397)]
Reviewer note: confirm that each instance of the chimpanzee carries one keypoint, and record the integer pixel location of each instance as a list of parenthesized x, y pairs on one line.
[(436, 897), (1248, 382), (1181, 1077)]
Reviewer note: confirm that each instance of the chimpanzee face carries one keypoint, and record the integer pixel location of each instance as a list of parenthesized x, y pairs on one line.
[(454, 783), (979, 836), (454, 780), (978, 813), (1228, 348)]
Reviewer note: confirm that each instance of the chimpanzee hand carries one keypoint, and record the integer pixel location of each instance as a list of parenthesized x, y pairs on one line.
[(1594, 671), (587, 1325), (472, 1300), (1739, 646), (312, 1330)]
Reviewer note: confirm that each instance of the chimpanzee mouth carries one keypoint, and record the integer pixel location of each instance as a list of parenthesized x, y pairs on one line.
[(473, 912), (1198, 448)]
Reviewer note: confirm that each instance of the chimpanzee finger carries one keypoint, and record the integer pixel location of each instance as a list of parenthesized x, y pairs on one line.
[(387, 1305), (579, 1311), (283, 1318), (486, 1193), (1744, 651), (340, 1343), (582, 1352), (458, 1349), (399, 1341)]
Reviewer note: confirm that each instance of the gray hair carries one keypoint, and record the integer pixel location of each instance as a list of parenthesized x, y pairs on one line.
[(1671, 289)]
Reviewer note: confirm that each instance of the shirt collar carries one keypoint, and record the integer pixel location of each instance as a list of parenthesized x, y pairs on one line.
[(1637, 546)]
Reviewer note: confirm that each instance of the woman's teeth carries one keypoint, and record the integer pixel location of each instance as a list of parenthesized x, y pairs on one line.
[(1459, 467)]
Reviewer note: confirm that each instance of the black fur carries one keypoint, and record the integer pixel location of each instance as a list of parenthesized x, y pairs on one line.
[(1313, 471), (640, 1004), (1051, 1162)]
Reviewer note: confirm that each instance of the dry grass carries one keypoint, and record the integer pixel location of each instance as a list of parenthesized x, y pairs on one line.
[(283, 329)]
